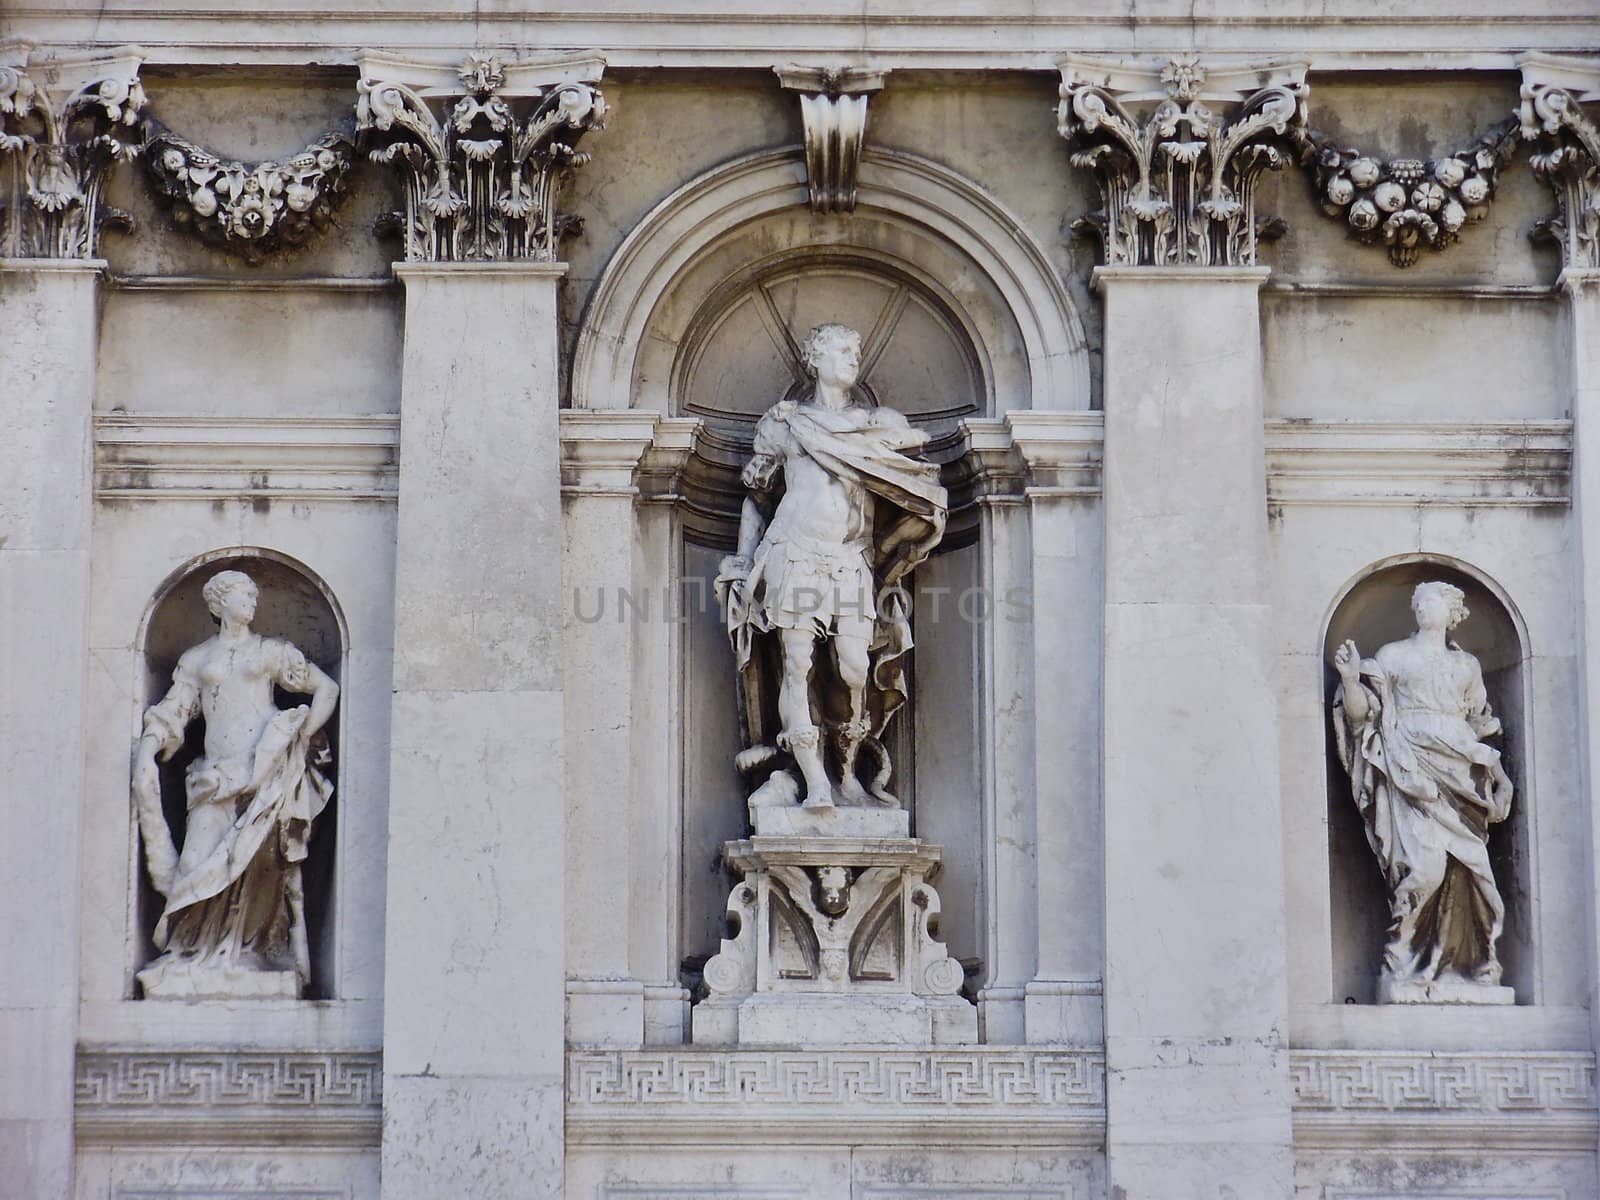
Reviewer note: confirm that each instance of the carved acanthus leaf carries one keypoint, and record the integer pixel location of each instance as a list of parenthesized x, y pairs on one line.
[(1566, 151), (1178, 181), (1407, 204), (251, 209), (65, 122), (481, 181)]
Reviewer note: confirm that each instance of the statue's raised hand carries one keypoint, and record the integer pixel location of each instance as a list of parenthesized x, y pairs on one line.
[(1347, 661)]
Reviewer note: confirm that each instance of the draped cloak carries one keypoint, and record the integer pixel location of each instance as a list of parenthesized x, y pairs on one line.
[(1422, 780)]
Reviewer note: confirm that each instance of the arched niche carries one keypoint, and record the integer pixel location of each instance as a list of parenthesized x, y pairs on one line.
[(910, 211), (698, 315), (294, 604), (1375, 608)]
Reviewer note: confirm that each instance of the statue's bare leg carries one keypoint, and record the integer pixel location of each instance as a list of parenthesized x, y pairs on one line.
[(854, 661), (800, 737)]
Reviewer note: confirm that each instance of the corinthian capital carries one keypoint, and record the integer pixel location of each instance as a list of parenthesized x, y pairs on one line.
[(484, 149), (1567, 149), (1178, 150), (64, 122)]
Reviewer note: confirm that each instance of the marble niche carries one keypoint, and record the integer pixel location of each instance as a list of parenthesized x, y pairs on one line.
[(233, 774), (1426, 733), (836, 920)]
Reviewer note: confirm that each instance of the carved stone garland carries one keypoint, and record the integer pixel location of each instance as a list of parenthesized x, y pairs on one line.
[(63, 125), (481, 183), (1408, 203), (1179, 186), (250, 209), (1566, 154)]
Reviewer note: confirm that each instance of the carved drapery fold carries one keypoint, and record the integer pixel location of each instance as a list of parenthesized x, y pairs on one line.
[(833, 113), (250, 209), (1566, 150), (1179, 184), (483, 182), (64, 122), (1407, 204)]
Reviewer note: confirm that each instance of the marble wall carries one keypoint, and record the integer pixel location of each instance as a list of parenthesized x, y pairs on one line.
[(490, 497)]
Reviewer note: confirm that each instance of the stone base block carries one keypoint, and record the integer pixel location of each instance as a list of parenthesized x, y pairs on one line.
[(795, 821), (175, 979), (1444, 991), (862, 1020)]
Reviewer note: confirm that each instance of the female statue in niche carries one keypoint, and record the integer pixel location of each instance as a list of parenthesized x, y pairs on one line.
[(1410, 724), (234, 923)]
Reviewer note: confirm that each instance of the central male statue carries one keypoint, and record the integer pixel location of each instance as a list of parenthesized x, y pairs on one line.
[(837, 516)]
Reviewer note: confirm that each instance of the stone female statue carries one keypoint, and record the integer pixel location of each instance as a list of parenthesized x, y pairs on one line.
[(234, 921), (1410, 724)]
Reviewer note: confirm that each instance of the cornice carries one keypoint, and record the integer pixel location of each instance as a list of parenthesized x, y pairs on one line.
[(179, 457), (899, 34), (1515, 464)]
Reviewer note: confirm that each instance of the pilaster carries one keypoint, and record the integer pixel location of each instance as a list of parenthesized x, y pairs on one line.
[(602, 452), (48, 308), (477, 877), (1567, 157), (1061, 452), (1198, 1100), (1007, 734)]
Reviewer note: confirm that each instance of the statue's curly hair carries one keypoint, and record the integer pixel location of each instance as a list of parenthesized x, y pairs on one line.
[(821, 336), (1459, 611), (221, 584)]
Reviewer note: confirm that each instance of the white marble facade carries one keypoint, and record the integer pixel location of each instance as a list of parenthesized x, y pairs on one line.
[(417, 464)]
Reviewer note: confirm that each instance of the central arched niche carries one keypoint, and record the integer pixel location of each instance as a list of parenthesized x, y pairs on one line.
[(918, 355), (697, 315)]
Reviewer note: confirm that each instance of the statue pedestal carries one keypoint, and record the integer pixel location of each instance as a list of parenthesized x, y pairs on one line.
[(836, 945)]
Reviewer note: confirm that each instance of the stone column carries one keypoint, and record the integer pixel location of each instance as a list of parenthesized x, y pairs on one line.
[(477, 883), (47, 377), (1195, 994)]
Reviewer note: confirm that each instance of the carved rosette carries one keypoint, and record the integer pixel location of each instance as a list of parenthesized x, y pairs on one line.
[(1408, 204), (1566, 151), (482, 182), (1179, 183), (250, 209), (833, 114), (63, 124)]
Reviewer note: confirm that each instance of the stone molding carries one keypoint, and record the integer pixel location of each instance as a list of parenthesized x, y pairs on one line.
[(483, 182), (65, 121), (184, 457), (625, 452), (833, 114), (1400, 1099), (1178, 185), (235, 1097), (249, 209), (883, 1096), (999, 35), (1406, 464), (1566, 150), (1407, 204), (1030, 455)]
